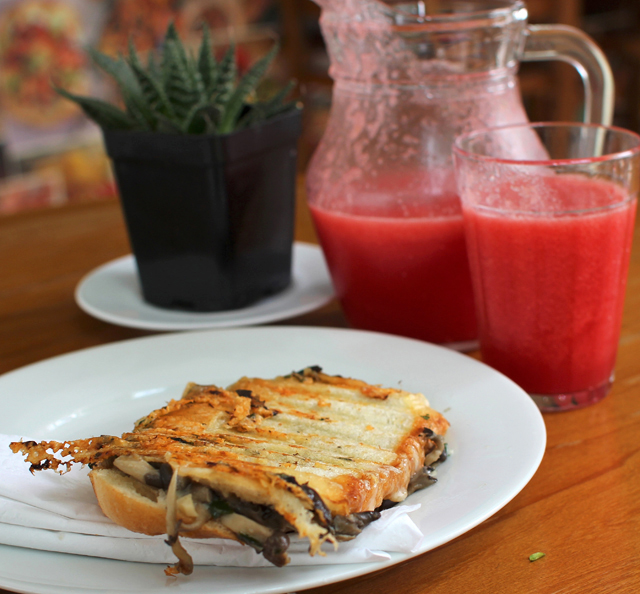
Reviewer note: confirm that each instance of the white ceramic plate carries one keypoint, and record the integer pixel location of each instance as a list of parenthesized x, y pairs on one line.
[(112, 294), (497, 436)]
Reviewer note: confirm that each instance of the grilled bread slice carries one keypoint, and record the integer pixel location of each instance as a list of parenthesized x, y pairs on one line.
[(307, 453)]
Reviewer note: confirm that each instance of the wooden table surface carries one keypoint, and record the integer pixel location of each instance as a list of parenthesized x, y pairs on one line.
[(582, 508)]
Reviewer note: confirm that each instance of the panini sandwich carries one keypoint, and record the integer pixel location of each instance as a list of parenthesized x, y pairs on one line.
[(306, 454)]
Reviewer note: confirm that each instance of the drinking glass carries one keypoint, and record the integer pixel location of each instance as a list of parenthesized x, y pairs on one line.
[(548, 214)]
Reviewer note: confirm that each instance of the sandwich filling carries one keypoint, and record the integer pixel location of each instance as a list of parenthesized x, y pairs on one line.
[(306, 454)]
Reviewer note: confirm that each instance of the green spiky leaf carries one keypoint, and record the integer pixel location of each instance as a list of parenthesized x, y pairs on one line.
[(207, 64), (222, 87), (245, 87), (104, 114), (137, 105), (180, 86), (172, 33), (150, 83)]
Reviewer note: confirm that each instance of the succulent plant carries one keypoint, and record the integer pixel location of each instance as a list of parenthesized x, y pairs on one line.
[(179, 92)]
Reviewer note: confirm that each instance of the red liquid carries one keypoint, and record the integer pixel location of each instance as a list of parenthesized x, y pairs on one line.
[(550, 290), (401, 275)]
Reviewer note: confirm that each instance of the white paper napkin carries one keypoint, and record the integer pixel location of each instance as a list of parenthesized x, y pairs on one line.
[(51, 512)]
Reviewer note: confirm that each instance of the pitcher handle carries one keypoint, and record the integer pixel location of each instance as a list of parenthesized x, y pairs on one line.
[(569, 44)]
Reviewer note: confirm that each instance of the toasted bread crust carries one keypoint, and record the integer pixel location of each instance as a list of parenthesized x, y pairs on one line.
[(126, 506)]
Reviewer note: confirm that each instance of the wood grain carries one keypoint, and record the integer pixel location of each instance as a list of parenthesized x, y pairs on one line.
[(582, 508)]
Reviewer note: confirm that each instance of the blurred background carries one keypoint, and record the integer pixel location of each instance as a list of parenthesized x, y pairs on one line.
[(51, 155)]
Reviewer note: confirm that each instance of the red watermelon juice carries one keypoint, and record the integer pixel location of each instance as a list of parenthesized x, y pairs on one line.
[(402, 272), (550, 287)]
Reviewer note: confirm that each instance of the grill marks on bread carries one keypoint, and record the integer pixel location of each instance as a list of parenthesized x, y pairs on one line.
[(308, 446)]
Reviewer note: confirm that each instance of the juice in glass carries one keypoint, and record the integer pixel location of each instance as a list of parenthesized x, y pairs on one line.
[(551, 285), (548, 228)]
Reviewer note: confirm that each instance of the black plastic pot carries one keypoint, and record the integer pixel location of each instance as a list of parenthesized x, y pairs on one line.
[(210, 218)]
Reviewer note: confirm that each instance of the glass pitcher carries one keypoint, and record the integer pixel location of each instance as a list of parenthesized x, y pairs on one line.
[(408, 79)]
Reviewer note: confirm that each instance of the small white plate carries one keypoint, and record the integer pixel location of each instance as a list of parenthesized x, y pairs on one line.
[(497, 437), (112, 294)]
